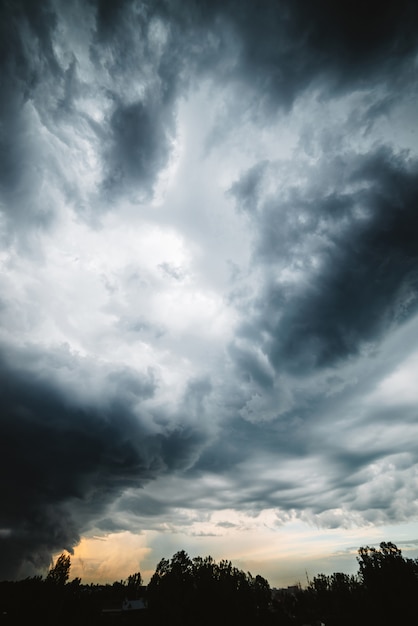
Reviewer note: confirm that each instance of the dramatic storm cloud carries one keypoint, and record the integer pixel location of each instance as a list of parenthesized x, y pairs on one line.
[(209, 272)]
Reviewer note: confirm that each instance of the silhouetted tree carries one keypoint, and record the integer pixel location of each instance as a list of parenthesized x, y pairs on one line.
[(262, 597), (201, 591), (60, 572), (333, 599), (390, 582), (186, 592), (134, 586), (170, 588)]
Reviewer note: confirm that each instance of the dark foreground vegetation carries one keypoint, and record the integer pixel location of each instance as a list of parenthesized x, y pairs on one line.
[(200, 591)]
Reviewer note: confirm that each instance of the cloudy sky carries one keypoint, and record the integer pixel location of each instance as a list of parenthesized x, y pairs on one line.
[(209, 283)]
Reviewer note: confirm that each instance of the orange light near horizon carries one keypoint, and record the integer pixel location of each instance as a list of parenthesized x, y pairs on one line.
[(109, 558)]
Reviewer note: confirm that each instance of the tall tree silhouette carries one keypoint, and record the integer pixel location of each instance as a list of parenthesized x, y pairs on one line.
[(390, 581), (189, 591), (60, 572)]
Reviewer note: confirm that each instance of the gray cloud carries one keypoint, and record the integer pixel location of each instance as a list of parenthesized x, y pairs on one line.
[(140, 143), (361, 236), (200, 375), (73, 437), (26, 54), (280, 49)]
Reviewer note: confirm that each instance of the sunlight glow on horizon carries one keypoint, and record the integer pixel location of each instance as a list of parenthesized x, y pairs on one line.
[(282, 555)]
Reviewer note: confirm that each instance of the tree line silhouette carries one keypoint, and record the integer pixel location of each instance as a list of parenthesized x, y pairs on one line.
[(186, 591)]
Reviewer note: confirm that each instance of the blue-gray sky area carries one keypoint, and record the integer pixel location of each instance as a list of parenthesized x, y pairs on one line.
[(209, 279)]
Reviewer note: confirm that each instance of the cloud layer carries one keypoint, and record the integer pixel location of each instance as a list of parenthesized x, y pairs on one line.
[(209, 270)]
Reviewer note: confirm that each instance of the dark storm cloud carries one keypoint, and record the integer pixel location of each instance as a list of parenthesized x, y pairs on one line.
[(140, 143), (65, 455), (140, 129), (290, 45), (279, 49), (76, 437), (366, 482), (143, 504), (41, 88), (241, 440), (26, 55), (250, 363), (249, 187), (364, 281)]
